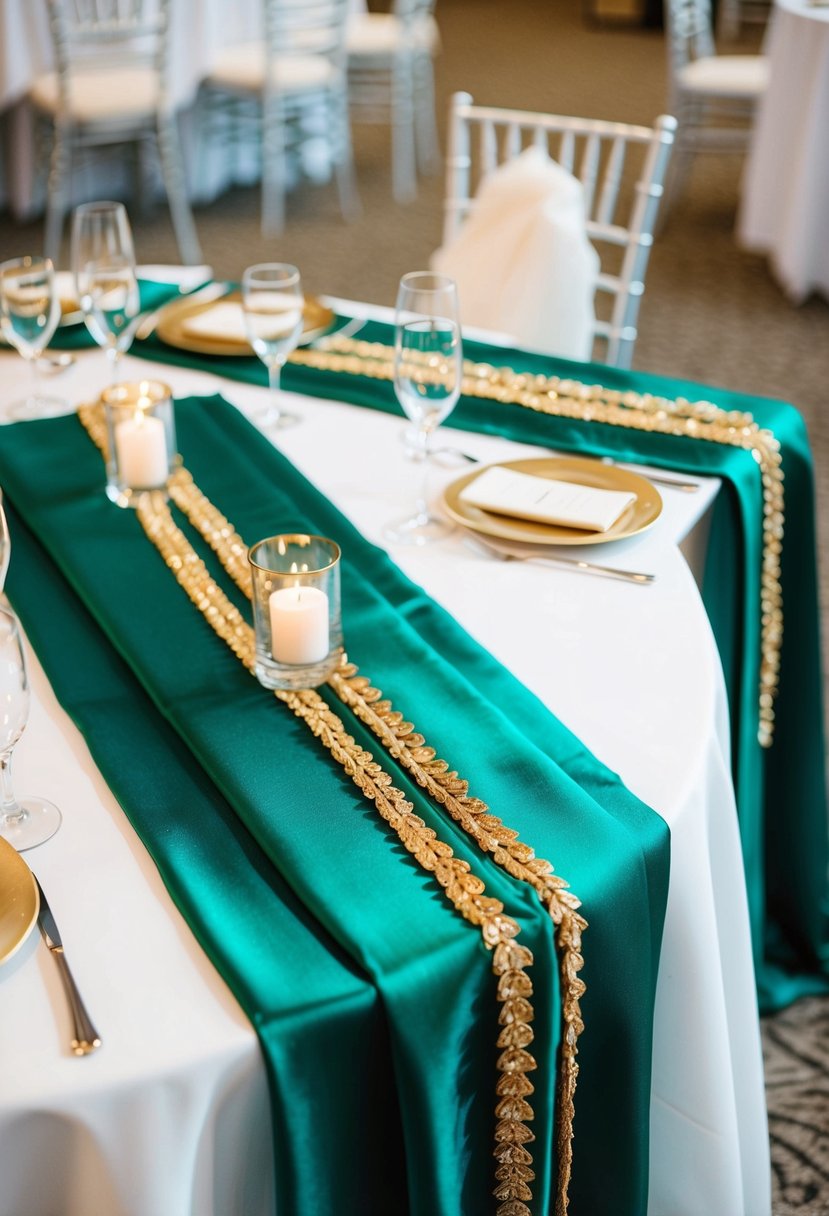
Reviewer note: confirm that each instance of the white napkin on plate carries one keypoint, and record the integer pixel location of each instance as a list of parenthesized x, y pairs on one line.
[(545, 500), (522, 260), (223, 321)]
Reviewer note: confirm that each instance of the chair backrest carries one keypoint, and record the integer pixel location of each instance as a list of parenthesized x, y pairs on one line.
[(412, 12), (689, 32), (306, 27), (107, 34), (622, 169)]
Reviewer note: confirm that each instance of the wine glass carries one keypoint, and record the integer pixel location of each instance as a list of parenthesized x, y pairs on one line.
[(103, 260), (28, 821), (29, 314), (427, 381), (272, 305), (5, 545)]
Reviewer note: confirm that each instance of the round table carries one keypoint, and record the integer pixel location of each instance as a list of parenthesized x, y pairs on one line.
[(785, 198)]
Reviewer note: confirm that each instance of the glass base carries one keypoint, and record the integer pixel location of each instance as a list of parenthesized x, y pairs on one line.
[(36, 407), (295, 676), (37, 823), (276, 422), (420, 529)]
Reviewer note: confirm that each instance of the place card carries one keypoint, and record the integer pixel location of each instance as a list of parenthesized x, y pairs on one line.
[(543, 500)]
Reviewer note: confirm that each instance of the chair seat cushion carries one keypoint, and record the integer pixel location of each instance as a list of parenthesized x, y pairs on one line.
[(243, 67), (101, 94), (737, 76), (381, 35)]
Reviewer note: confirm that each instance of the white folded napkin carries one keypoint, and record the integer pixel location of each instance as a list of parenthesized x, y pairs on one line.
[(522, 260), (65, 290), (223, 321), (507, 492)]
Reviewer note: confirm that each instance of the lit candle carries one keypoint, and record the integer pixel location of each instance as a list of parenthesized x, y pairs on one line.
[(141, 450), (299, 625)]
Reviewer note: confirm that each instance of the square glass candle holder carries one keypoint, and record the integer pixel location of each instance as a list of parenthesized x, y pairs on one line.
[(141, 438), (296, 610)]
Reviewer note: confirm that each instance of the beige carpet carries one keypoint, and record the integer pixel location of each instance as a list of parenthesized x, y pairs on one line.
[(711, 312)]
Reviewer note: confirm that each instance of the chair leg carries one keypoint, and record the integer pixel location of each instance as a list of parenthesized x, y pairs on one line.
[(174, 182), (344, 157), (273, 166), (59, 177), (403, 169), (426, 131)]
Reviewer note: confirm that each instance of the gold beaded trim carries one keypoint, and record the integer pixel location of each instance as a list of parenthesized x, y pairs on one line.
[(464, 889), (636, 411), (450, 791)]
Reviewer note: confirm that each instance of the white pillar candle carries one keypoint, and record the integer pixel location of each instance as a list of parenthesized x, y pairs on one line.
[(141, 451), (299, 625)]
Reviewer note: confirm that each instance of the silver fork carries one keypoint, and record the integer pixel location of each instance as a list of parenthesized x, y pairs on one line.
[(506, 552)]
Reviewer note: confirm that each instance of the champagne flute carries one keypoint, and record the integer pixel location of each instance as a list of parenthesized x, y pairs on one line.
[(427, 381), (29, 314), (272, 304), (28, 821), (103, 260)]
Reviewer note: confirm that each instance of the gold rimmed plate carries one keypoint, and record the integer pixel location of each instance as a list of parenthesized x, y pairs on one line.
[(172, 327), (642, 512), (19, 901)]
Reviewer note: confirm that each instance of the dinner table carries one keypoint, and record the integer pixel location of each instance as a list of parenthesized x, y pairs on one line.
[(785, 189), (293, 1015)]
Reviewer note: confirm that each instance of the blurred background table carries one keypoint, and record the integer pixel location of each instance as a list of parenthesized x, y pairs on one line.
[(785, 194)]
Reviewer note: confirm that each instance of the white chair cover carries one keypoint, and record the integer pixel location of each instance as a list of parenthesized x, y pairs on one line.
[(522, 260)]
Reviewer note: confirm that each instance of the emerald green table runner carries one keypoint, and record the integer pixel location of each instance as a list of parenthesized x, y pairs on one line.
[(151, 294), (781, 791), (236, 772)]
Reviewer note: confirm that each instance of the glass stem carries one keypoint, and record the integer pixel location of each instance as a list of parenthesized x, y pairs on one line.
[(35, 379), (274, 380), (420, 456), (10, 811), (112, 355)]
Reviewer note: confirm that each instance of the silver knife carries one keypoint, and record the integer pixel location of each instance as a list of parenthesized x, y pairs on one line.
[(203, 295), (86, 1037)]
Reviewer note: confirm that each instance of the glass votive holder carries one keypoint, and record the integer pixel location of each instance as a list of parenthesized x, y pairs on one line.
[(141, 438), (296, 610)]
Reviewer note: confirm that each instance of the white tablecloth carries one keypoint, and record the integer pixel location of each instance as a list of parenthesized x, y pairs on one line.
[(169, 1116), (785, 198)]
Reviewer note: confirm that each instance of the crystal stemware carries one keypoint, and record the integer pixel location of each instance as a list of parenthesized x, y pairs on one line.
[(24, 822), (5, 545), (103, 261), (427, 381), (272, 303), (29, 314)]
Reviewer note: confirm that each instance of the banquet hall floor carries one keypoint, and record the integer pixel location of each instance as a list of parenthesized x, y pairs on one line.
[(711, 312)]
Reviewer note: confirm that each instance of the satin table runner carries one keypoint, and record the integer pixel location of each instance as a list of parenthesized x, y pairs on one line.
[(344, 887), (781, 791)]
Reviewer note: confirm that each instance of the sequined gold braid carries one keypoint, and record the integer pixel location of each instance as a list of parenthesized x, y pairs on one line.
[(450, 791), (636, 411), (463, 888)]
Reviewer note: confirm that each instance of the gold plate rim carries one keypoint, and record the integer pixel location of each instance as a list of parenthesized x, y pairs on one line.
[(316, 317), (640, 515), (20, 902)]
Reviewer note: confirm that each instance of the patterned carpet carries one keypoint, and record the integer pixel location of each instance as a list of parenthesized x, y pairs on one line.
[(711, 312)]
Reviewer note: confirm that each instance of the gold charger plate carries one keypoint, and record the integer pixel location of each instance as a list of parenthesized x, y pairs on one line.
[(171, 328), (19, 901), (642, 512)]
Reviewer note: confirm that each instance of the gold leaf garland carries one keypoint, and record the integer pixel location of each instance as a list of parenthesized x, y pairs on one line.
[(465, 890), (644, 412), (450, 791)]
